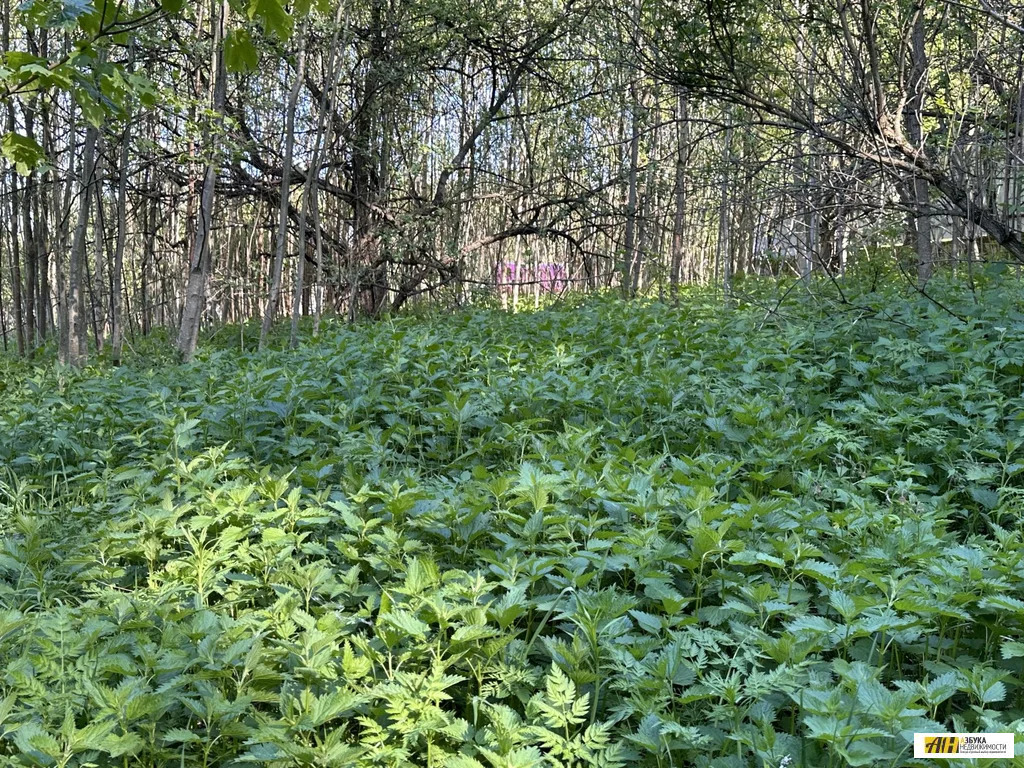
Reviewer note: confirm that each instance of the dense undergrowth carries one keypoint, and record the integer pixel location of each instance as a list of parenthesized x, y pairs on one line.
[(603, 535)]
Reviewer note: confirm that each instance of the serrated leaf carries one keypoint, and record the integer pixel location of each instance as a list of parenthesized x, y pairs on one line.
[(407, 623)]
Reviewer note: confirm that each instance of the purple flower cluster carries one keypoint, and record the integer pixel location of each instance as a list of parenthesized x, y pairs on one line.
[(550, 278)]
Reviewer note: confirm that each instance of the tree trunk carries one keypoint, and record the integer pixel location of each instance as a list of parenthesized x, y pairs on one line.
[(806, 176), (73, 332), (117, 269), (96, 302), (365, 263), (16, 297), (282, 225), (918, 220), (723, 259), (679, 193), (324, 132), (31, 248), (48, 237), (629, 247), (200, 262)]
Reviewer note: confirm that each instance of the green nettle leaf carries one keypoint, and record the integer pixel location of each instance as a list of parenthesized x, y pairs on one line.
[(34, 742), (1003, 603), (332, 555), (988, 498), (421, 574), (172, 6), (407, 622), (1012, 649), (22, 152), (240, 54), (355, 667), (181, 736), (994, 693)]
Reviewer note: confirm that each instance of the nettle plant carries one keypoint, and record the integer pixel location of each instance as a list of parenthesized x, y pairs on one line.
[(599, 535)]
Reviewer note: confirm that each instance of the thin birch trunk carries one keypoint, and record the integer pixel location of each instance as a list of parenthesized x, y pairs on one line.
[(679, 219), (74, 328), (274, 294), (200, 263), (920, 221), (117, 269)]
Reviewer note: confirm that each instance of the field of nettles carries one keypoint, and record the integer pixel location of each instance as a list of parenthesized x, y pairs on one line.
[(785, 532)]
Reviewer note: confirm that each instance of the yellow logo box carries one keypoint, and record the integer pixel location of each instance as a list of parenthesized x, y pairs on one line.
[(963, 745)]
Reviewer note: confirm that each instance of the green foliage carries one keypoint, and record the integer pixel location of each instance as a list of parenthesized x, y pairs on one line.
[(273, 16), (96, 33), (22, 152), (240, 53), (600, 535)]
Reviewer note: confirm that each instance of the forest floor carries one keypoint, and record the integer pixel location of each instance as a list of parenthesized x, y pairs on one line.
[(604, 534)]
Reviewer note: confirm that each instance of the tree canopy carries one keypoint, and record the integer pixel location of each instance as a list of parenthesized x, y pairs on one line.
[(254, 158)]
